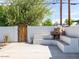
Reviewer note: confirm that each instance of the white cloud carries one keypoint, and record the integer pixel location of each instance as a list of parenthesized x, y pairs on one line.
[(58, 20), (74, 13)]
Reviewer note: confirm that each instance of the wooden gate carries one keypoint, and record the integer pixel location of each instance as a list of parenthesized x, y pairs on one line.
[(22, 32)]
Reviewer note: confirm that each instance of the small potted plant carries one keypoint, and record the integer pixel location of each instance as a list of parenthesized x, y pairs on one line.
[(6, 40)]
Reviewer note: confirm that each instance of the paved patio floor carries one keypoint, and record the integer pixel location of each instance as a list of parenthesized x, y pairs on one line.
[(57, 54), (29, 51), (24, 51)]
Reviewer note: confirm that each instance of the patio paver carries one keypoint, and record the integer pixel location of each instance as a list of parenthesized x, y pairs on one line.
[(29, 51), (24, 51), (57, 54)]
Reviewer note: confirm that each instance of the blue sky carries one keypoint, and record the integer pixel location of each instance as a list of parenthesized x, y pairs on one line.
[(3, 0), (56, 10)]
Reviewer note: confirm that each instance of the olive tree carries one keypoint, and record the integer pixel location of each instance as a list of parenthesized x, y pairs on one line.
[(30, 12)]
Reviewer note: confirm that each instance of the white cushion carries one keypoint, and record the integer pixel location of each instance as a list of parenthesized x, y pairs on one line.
[(72, 31)]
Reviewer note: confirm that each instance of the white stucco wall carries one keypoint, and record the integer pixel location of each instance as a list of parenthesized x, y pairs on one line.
[(72, 31), (35, 29), (11, 32)]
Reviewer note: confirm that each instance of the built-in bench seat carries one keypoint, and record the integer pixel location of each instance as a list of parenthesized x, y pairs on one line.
[(43, 39), (68, 43)]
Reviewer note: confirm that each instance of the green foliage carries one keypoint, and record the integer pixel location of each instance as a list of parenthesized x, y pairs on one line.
[(2, 16), (78, 22), (47, 22), (30, 12), (71, 21)]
